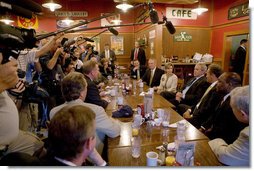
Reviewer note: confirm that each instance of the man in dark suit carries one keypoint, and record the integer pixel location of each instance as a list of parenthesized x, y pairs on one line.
[(193, 90), (71, 137), (239, 59), (91, 71), (139, 54), (223, 123), (108, 54), (153, 74), (137, 70), (199, 113)]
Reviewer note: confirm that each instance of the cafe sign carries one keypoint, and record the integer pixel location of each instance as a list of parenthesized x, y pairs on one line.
[(183, 37), (180, 13)]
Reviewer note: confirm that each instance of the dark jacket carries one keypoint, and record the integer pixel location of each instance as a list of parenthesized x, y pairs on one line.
[(224, 123), (93, 94), (111, 54), (141, 56), (142, 70), (156, 77), (206, 107)]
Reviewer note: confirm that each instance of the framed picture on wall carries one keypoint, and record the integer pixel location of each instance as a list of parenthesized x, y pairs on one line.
[(117, 45)]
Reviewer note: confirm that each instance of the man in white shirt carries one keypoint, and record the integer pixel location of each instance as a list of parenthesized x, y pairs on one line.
[(109, 54)]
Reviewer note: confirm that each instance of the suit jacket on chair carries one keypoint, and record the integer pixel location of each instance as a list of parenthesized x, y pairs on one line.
[(141, 56), (206, 107), (156, 77), (195, 92), (93, 94)]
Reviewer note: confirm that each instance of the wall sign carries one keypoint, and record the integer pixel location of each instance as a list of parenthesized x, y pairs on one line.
[(71, 13), (183, 37), (28, 23), (180, 13), (238, 11)]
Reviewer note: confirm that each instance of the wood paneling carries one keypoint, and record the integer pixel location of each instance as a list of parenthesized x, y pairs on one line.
[(200, 42)]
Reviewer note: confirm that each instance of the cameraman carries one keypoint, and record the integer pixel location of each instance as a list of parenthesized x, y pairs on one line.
[(11, 138), (91, 53)]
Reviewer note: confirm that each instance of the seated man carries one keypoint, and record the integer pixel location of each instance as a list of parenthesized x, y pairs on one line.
[(137, 70), (192, 91), (153, 74), (223, 123), (90, 69), (237, 153), (74, 90), (71, 137), (211, 98)]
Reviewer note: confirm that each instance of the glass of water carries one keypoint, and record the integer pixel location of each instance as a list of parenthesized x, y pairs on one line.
[(135, 147)]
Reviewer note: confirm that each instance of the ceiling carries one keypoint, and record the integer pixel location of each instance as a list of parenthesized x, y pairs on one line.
[(159, 1)]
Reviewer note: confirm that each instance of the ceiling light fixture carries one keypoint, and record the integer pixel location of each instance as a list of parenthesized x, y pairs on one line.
[(200, 9), (52, 5), (6, 19), (124, 6)]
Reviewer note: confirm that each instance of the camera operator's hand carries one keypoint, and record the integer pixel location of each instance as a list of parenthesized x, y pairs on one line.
[(8, 74)]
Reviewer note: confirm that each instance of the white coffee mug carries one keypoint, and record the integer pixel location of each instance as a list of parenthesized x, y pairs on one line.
[(152, 158)]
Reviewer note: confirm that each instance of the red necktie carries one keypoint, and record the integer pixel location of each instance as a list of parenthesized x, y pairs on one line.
[(136, 54)]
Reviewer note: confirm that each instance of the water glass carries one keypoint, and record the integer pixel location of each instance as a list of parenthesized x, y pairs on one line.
[(135, 147)]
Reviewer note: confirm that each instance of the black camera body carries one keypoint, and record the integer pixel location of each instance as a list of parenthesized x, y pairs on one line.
[(13, 39)]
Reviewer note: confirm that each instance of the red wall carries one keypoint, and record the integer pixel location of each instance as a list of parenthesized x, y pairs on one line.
[(221, 24)]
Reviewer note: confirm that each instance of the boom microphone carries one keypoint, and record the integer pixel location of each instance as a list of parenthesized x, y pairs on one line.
[(113, 31), (87, 39), (153, 14), (170, 27), (16, 10)]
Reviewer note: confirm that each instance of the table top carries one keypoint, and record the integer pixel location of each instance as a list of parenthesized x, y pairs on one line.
[(203, 155)]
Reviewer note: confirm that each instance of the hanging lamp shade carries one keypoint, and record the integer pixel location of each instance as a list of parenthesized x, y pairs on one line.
[(200, 9), (52, 5)]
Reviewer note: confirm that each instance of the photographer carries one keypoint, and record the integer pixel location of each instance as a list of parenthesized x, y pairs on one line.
[(91, 53), (11, 138)]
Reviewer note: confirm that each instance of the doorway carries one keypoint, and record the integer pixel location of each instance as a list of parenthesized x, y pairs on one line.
[(231, 43)]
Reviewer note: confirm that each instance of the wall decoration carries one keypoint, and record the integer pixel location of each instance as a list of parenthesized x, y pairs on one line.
[(60, 24), (28, 23), (238, 11), (117, 45), (183, 37)]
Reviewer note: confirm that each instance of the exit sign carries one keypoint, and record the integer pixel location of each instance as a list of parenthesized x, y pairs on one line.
[(180, 13)]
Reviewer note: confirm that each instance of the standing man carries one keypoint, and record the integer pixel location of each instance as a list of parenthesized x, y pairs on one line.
[(139, 54), (108, 54), (153, 74), (240, 55)]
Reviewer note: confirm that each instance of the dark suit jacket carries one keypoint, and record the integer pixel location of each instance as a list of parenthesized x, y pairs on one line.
[(238, 63), (142, 70), (156, 77), (206, 108), (107, 72), (112, 56), (93, 94), (141, 56), (224, 123), (195, 92)]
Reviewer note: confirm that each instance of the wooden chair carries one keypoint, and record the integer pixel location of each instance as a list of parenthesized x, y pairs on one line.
[(180, 84)]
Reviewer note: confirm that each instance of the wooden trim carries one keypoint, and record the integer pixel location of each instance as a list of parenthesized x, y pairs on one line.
[(230, 24)]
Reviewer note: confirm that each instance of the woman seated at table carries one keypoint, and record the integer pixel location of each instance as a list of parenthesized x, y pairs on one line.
[(168, 82), (105, 69)]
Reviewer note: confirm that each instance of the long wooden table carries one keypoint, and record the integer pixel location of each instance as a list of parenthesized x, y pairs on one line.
[(119, 148)]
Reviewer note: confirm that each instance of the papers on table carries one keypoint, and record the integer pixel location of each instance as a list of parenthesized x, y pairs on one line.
[(174, 125)]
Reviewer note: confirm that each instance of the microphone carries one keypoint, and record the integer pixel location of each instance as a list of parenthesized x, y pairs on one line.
[(171, 29), (153, 14), (87, 39), (68, 43), (113, 31), (16, 10)]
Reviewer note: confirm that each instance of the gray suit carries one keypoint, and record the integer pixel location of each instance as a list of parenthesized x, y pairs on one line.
[(235, 154)]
